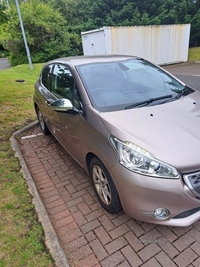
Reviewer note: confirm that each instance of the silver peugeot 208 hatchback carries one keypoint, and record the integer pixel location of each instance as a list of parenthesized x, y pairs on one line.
[(133, 127)]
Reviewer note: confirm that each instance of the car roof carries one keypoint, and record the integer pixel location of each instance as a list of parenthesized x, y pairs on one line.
[(79, 60)]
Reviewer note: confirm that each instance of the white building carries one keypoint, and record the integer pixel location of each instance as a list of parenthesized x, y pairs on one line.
[(162, 44)]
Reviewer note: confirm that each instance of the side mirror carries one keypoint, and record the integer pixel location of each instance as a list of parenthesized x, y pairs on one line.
[(62, 105)]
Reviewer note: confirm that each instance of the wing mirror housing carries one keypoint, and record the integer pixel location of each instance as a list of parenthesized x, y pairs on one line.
[(62, 105)]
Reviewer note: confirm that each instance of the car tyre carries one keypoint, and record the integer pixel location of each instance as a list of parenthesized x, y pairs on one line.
[(104, 186), (42, 123)]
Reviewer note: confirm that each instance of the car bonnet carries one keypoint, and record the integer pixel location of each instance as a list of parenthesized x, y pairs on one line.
[(170, 131)]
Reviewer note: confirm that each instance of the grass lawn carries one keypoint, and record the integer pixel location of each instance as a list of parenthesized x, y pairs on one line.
[(194, 54), (21, 235)]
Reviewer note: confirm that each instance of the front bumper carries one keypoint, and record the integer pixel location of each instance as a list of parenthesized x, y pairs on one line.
[(141, 195)]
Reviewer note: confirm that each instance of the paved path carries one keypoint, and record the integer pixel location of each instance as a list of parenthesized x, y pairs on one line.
[(89, 236), (4, 63)]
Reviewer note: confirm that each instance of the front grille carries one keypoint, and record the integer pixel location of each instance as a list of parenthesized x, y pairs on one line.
[(193, 182), (186, 213)]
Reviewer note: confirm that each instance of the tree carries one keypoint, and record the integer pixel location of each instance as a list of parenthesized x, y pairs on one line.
[(75, 14), (195, 29), (45, 31), (3, 12), (4, 17), (147, 12)]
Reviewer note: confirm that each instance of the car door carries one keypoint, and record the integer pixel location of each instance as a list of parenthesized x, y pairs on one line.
[(67, 125), (46, 96)]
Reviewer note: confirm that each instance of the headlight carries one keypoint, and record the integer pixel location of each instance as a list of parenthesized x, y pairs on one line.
[(141, 161)]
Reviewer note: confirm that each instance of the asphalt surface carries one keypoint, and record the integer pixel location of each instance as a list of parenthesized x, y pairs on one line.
[(4, 63), (78, 231), (189, 73), (193, 81)]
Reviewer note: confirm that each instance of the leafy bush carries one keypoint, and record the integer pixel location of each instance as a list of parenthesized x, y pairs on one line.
[(18, 59), (45, 30)]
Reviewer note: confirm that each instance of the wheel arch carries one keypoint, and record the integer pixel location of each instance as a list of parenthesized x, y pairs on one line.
[(115, 206), (35, 106), (89, 157)]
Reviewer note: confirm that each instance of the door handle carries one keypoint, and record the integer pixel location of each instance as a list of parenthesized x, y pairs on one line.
[(47, 103)]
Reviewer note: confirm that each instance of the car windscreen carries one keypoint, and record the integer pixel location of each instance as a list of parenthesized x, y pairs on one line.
[(127, 84)]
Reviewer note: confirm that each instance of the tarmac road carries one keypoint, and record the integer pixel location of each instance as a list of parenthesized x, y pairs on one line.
[(4, 63), (191, 80), (188, 72)]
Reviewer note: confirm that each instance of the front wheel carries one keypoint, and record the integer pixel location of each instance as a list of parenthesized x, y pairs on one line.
[(42, 123), (104, 186)]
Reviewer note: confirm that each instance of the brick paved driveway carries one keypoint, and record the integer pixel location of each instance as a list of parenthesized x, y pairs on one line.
[(89, 235)]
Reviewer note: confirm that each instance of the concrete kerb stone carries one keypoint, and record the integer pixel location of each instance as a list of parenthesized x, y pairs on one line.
[(51, 239)]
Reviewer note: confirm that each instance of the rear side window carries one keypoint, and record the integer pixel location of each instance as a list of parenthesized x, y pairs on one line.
[(46, 76)]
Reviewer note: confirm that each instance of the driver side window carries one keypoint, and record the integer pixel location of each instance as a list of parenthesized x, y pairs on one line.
[(63, 85), (62, 82)]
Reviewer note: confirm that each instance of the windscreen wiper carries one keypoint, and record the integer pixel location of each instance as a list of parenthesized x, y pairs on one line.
[(148, 101), (184, 92)]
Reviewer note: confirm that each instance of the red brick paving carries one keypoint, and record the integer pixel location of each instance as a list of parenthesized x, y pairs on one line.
[(90, 236)]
